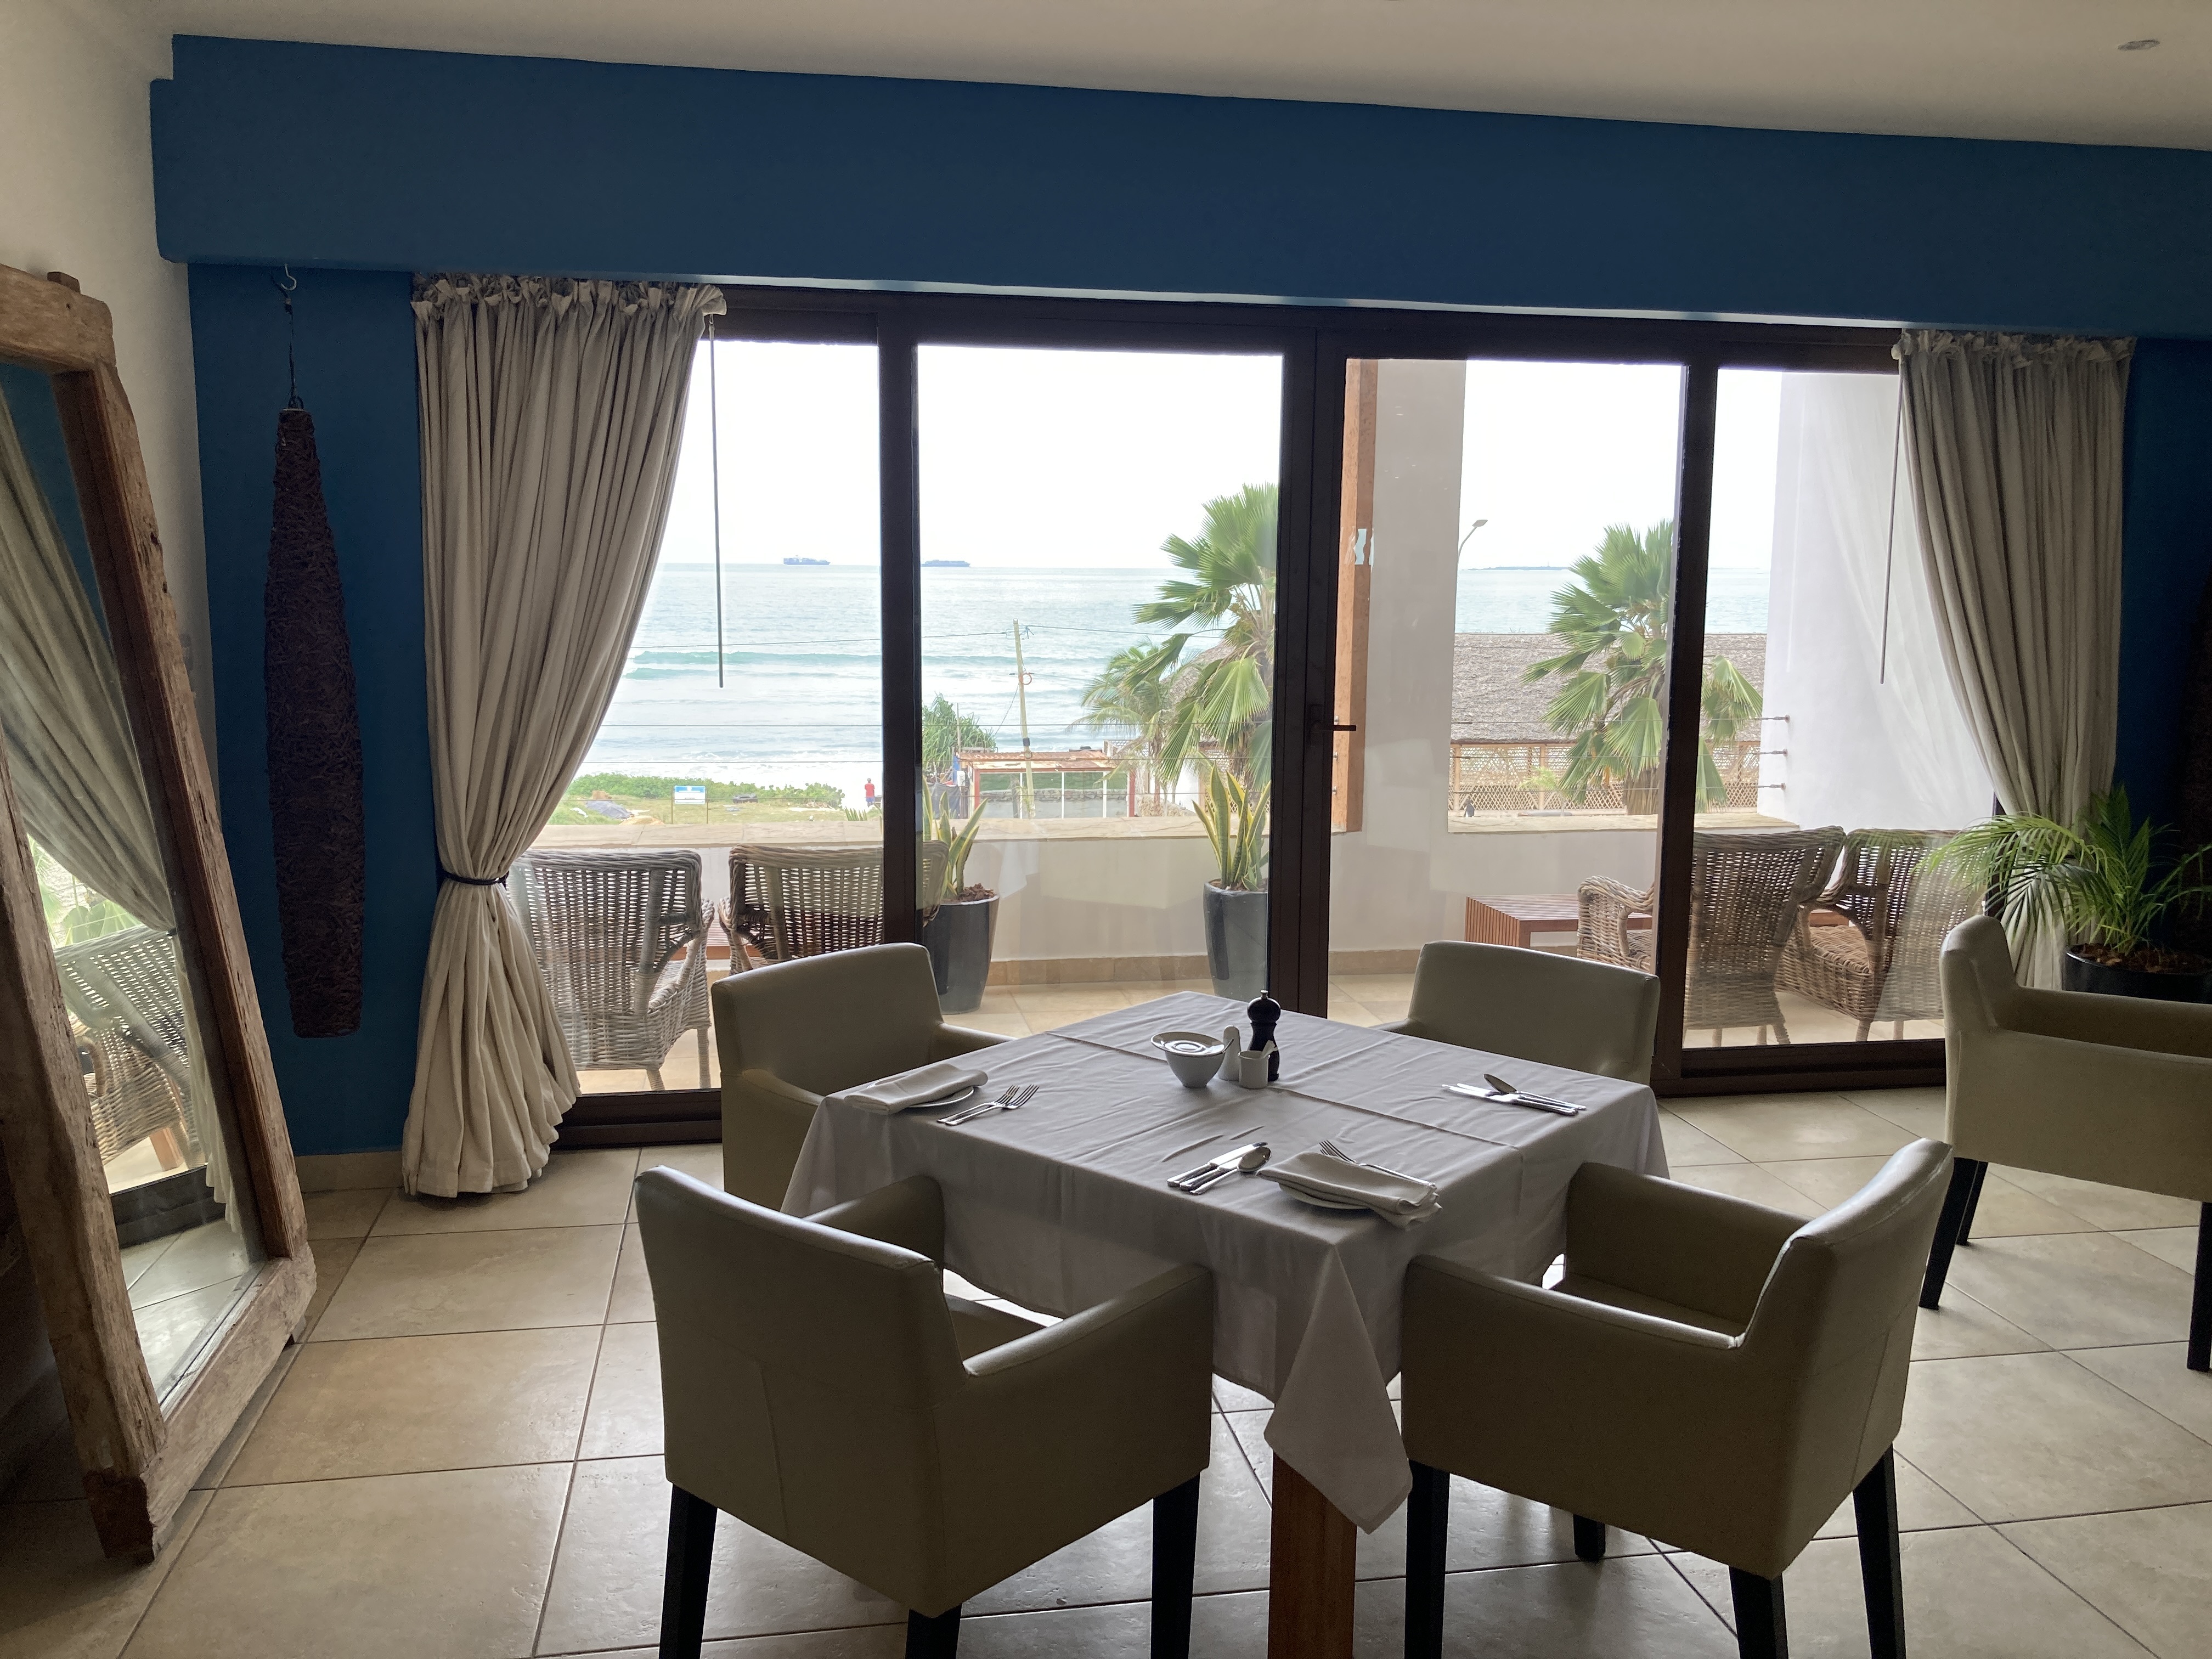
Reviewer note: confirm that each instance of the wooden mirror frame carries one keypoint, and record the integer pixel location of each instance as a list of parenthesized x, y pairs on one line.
[(139, 1460)]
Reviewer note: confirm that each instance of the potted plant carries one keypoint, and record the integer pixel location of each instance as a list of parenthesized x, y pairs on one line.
[(2104, 882), (1235, 817), (958, 921)]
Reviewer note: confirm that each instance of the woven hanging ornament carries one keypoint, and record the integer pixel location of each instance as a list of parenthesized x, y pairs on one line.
[(314, 747)]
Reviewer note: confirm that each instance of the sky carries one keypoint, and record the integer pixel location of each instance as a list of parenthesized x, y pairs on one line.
[(1091, 458)]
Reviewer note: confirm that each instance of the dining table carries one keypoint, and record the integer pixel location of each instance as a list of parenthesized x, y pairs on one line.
[(1065, 1203)]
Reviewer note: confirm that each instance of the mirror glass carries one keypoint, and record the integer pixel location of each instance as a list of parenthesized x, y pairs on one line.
[(182, 1209)]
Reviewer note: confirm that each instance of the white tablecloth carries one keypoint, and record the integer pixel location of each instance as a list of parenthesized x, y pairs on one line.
[(1064, 1203)]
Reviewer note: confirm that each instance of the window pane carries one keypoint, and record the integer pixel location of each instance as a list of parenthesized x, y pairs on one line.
[(1098, 601), (725, 813), (1505, 564), (1826, 927)]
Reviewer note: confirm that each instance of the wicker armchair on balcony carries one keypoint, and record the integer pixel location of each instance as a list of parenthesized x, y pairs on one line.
[(606, 929), (1886, 965), (793, 902), (1748, 888), (122, 991)]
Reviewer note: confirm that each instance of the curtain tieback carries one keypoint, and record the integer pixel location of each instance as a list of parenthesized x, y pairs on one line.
[(444, 874)]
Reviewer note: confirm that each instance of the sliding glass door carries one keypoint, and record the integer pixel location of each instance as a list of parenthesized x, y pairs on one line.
[(1506, 560), (1097, 534)]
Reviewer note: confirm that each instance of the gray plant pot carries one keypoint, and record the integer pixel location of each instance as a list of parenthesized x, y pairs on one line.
[(2078, 973), (958, 936), (1237, 941)]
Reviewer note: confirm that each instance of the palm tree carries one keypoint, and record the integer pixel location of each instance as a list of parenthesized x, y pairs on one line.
[(1129, 695), (1220, 698), (1614, 618), (944, 733)]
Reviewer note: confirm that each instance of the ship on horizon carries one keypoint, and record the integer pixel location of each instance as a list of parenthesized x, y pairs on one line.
[(806, 560), (945, 564)]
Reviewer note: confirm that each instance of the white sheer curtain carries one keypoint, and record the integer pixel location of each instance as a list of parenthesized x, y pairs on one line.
[(551, 413), (2014, 445)]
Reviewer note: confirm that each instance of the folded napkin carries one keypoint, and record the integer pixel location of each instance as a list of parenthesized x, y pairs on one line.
[(916, 1088), (1399, 1201)]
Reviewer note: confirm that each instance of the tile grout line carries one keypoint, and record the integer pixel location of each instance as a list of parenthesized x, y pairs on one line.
[(553, 1561), (2126, 1635)]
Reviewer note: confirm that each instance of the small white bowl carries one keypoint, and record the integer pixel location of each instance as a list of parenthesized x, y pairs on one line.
[(1193, 1056)]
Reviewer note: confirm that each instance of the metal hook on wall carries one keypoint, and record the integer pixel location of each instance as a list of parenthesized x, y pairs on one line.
[(289, 286)]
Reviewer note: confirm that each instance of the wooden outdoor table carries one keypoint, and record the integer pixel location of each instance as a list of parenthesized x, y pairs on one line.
[(1517, 918)]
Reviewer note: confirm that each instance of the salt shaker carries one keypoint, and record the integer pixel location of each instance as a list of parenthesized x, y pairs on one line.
[(1265, 1012), (1229, 1047)]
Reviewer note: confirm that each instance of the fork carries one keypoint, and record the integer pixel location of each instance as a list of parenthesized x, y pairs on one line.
[(1335, 1150), (980, 1106), (1017, 1100)]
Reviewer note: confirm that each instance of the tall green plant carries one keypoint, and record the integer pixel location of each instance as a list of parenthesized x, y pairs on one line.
[(959, 841), (1220, 700), (946, 732), (1235, 817), (2098, 878), (1615, 618)]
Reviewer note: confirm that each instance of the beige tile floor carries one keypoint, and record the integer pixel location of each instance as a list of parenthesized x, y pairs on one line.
[(461, 1462)]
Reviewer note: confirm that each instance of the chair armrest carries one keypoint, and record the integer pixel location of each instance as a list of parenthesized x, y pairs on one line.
[(947, 1042), (2131, 1117), (1671, 1241), (1602, 907), (909, 1213), (1569, 1403), (1056, 1434), (2171, 1028), (765, 1125)]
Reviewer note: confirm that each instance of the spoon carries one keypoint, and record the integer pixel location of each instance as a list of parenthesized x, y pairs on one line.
[(1251, 1160)]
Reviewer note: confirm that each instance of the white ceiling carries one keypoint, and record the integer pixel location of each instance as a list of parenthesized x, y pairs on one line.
[(1993, 68)]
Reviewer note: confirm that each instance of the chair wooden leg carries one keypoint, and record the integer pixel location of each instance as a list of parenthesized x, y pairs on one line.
[(2200, 1304), (1963, 1173), (1428, 1520), (1973, 1203), (652, 1076), (683, 1591), (1873, 1502), (1865, 1025), (932, 1638), (1761, 1630), (1174, 1569), (1589, 1539), (704, 1073)]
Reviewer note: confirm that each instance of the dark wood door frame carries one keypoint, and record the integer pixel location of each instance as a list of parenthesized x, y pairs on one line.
[(1314, 345)]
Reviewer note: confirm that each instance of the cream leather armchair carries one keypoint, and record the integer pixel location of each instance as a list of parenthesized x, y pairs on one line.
[(794, 1031), (817, 1384), (1553, 1010), (2109, 1089), (1710, 1372)]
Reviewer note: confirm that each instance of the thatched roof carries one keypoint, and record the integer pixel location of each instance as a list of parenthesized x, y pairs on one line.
[(1491, 699)]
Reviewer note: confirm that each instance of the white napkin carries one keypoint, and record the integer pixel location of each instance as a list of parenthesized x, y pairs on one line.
[(1399, 1201), (916, 1088)]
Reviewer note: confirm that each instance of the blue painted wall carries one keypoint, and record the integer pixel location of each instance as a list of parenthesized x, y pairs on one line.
[(414, 161), (2168, 557), (356, 354), (367, 161)]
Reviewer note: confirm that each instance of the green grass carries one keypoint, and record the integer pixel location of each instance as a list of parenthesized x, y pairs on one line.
[(651, 794)]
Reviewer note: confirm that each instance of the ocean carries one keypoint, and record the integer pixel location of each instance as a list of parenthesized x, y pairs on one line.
[(802, 693)]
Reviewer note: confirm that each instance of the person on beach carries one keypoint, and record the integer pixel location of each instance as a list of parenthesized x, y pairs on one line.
[(868, 793)]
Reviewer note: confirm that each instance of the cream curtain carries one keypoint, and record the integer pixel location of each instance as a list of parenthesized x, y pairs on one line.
[(551, 413), (2014, 445)]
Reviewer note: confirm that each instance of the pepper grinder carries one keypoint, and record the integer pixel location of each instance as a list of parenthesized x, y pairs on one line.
[(1264, 1012)]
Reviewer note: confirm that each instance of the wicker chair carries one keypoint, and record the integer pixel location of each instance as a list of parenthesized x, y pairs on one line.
[(605, 928), (122, 992), (793, 902), (1748, 889), (1885, 965)]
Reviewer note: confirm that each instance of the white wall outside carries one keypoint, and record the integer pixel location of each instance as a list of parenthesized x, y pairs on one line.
[(77, 195)]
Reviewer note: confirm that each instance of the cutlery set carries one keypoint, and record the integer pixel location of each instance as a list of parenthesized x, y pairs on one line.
[(1502, 1093), (1013, 1101), (1243, 1161)]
